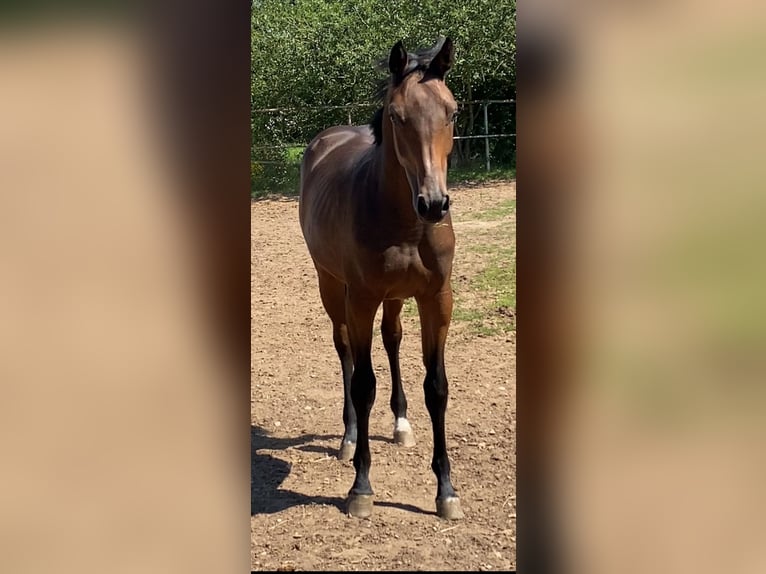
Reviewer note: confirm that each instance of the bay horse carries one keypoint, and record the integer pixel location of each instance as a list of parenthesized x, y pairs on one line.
[(374, 213)]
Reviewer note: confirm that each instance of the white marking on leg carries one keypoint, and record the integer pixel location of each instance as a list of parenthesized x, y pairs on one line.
[(402, 425)]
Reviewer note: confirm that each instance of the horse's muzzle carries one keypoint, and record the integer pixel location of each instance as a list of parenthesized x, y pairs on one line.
[(432, 211)]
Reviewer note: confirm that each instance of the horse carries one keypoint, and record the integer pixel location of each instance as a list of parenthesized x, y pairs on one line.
[(375, 215)]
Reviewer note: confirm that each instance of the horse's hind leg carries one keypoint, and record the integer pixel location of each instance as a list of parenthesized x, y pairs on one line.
[(391, 329), (333, 294)]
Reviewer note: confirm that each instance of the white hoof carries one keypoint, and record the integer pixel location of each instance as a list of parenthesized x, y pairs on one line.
[(403, 434)]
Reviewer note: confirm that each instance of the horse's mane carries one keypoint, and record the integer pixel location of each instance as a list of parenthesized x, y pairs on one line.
[(418, 61)]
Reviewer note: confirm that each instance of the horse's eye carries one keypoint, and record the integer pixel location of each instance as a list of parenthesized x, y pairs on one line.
[(453, 117), (395, 119)]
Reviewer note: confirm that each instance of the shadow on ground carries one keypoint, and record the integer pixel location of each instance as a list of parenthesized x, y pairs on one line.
[(267, 473)]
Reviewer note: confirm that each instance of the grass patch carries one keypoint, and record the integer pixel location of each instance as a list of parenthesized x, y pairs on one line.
[(484, 322), (503, 210), (463, 314), (491, 307), (498, 279)]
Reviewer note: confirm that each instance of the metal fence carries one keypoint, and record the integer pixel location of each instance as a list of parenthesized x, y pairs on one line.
[(486, 135), (280, 125)]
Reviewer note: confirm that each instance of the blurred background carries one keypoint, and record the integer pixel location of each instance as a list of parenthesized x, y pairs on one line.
[(124, 287), (641, 326)]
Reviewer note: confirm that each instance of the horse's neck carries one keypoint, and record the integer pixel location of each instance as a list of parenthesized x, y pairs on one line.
[(393, 195)]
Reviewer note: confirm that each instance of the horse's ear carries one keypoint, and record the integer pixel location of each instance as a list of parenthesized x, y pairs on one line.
[(397, 61), (444, 59)]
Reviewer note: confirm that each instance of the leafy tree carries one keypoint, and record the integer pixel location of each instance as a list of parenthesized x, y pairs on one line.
[(308, 53)]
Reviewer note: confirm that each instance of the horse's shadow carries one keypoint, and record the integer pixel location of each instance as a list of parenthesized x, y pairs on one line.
[(267, 473)]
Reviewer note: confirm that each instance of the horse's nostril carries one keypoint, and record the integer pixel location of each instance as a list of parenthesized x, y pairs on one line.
[(422, 205), (445, 204)]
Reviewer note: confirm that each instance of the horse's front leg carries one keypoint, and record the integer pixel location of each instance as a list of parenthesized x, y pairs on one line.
[(435, 315), (360, 316)]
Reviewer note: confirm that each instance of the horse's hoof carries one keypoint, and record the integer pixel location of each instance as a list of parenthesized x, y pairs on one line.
[(359, 505), (449, 508), (346, 451), (404, 438), (403, 435)]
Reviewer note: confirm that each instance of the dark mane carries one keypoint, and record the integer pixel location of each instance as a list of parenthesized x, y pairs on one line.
[(418, 61)]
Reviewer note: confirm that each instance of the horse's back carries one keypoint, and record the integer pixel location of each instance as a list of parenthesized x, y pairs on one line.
[(334, 151)]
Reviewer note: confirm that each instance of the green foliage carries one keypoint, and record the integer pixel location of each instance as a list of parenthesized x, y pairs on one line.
[(321, 52), (308, 53)]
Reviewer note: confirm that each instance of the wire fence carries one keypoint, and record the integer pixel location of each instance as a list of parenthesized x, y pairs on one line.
[(281, 134)]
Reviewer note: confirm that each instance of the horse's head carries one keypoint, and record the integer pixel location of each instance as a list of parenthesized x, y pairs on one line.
[(422, 110)]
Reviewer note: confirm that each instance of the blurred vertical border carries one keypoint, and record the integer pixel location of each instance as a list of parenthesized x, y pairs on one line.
[(641, 328), (124, 290)]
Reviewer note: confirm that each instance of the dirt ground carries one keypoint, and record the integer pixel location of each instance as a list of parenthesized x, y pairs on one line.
[(299, 487)]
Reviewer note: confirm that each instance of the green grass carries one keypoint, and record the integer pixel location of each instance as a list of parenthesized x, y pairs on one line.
[(498, 283), (503, 210), (499, 277), (460, 313), (491, 308), (485, 321)]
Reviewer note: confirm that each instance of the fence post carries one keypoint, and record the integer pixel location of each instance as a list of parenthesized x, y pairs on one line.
[(486, 133), (349, 116)]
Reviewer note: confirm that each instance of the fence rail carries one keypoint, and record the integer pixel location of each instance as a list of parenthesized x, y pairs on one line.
[(486, 136)]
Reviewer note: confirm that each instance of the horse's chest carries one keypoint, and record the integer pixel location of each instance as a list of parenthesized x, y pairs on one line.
[(403, 272), (403, 263)]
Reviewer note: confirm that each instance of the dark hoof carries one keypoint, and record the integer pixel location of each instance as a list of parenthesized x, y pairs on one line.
[(404, 438), (449, 508), (346, 451), (359, 505)]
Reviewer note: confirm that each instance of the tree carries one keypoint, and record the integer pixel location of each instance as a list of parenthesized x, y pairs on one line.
[(308, 53)]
